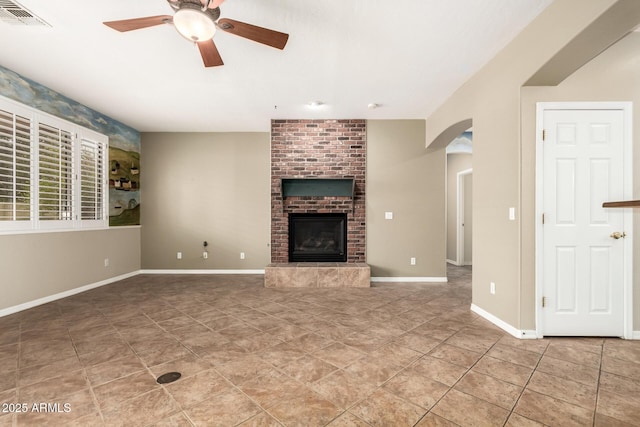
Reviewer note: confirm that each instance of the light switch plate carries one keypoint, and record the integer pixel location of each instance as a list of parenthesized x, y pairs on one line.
[(388, 215)]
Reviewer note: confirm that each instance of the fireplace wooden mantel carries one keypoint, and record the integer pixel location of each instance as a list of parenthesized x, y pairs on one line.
[(319, 187)]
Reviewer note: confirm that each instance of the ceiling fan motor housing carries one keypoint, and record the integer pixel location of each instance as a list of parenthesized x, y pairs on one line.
[(214, 14), (193, 21)]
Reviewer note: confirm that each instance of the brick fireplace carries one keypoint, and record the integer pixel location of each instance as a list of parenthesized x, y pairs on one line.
[(321, 149)]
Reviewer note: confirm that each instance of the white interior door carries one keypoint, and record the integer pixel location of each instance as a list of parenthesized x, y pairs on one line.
[(583, 266)]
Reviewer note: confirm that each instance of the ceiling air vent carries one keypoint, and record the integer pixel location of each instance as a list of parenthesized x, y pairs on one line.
[(14, 13)]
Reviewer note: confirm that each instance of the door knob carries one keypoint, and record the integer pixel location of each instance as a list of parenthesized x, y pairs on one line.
[(616, 235)]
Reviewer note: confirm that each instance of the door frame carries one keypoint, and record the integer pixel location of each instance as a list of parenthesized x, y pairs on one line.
[(460, 189), (626, 108)]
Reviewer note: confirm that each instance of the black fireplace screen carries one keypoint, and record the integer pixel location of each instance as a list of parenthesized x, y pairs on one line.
[(316, 237)]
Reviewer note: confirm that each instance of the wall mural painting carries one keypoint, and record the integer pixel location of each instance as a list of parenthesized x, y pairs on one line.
[(124, 141)]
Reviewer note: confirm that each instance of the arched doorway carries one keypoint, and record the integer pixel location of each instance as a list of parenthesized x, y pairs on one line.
[(459, 204)]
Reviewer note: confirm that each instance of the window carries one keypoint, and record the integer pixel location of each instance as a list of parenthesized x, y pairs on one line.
[(52, 172), (15, 167), (92, 163), (55, 174)]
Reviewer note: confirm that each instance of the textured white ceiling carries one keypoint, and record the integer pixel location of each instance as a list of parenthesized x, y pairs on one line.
[(406, 55)]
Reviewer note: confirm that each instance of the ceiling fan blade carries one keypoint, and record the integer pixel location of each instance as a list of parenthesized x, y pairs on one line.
[(138, 23), (210, 55), (252, 32)]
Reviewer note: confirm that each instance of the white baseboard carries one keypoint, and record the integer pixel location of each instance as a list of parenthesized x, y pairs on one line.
[(410, 279), (24, 306), (456, 263), (529, 334), (202, 271), (526, 334), (635, 335)]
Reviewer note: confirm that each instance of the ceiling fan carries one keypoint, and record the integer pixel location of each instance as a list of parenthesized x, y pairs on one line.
[(197, 21)]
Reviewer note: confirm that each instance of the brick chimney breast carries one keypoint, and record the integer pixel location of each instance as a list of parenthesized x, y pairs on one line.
[(318, 149)]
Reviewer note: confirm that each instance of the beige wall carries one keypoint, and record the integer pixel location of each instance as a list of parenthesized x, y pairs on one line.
[(456, 162), (210, 187), (612, 76), (408, 180), (491, 99), (39, 265), (215, 187)]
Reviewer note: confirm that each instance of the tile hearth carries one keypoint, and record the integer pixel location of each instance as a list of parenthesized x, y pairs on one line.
[(317, 275)]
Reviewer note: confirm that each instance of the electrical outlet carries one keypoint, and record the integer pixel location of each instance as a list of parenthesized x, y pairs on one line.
[(241, 255), (179, 255), (413, 261), (492, 288), (106, 262), (512, 214), (388, 215), (205, 255)]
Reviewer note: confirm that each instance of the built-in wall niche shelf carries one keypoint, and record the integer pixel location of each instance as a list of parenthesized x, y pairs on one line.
[(328, 187), (622, 204)]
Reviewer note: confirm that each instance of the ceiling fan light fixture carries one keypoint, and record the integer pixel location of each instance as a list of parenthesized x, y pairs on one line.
[(193, 24)]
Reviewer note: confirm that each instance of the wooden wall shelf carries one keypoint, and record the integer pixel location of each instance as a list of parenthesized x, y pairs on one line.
[(623, 204)]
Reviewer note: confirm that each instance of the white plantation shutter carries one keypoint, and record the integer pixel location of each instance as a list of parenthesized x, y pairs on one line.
[(55, 173), (52, 172), (15, 167), (92, 167)]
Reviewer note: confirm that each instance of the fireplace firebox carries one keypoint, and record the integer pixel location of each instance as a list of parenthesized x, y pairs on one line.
[(317, 237)]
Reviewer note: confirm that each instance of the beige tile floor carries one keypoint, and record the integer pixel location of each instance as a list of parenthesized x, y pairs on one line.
[(391, 355)]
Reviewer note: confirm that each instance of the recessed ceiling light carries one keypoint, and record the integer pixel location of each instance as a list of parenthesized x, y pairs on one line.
[(316, 104), (373, 106)]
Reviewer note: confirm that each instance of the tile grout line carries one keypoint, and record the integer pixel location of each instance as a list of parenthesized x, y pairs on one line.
[(14, 417), (84, 373), (460, 379), (524, 387), (595, 408), (346, 410), (147, 368)]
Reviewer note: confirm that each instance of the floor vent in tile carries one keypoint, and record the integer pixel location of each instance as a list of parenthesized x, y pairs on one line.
[(169, 377)]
